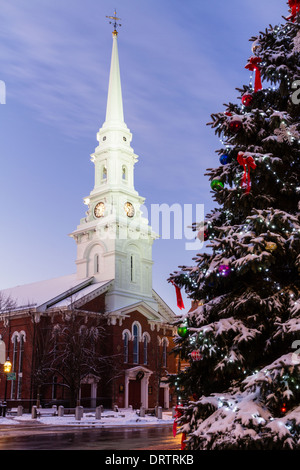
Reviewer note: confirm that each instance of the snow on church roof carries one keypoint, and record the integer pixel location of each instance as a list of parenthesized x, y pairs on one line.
[(44, 294)]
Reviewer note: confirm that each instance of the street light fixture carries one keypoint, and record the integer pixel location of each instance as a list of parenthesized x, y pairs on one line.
[(7, 366)]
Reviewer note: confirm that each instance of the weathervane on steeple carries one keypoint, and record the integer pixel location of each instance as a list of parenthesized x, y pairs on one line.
[(115, 18)]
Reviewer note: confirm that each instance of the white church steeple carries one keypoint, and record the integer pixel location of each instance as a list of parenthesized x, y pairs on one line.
[(114, 240)]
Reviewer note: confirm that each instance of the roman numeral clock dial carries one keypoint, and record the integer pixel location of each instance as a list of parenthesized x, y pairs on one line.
[(99, 209), (129, 209)]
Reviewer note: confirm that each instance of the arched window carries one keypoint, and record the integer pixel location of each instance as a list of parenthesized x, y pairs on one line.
[(124, 173), (146, 337), (126, 340), (96, 264), (133, 268), (18, 339), (104, 173), (135, 332), (164, 352), (20, 370), (2, 352), (14, 362)]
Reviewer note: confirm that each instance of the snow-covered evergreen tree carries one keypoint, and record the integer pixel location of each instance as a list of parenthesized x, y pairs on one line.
[(243, 389)]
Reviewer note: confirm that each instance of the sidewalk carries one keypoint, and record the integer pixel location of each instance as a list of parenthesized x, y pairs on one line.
[(124, 417)]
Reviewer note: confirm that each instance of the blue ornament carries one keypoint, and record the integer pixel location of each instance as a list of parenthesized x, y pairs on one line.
[(224, 159)]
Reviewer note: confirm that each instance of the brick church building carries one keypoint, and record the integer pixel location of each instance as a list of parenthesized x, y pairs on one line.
[(101, 335)]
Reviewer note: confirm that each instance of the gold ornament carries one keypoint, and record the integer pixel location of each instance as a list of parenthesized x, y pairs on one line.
[(271, 246)]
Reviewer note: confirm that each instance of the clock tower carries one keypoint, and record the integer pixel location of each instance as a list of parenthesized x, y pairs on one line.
[(114, 240)]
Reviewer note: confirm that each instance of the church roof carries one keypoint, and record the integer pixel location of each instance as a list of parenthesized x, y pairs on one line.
[(54, 292), (63, 291)]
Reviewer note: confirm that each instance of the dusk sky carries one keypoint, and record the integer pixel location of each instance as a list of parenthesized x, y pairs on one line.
[(179, 61)]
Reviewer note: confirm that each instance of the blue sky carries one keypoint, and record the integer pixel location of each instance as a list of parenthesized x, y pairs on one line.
[(180, 61)]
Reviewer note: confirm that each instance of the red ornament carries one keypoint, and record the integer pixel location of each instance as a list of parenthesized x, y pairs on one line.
[(283, 408), (204, 234), (253, 65), (195, 355), (246, 160), (235, 125), (247, 99)]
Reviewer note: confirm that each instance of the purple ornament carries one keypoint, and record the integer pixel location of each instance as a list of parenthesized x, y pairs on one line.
[(224, 270)]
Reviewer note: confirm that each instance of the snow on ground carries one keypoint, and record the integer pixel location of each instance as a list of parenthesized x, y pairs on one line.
[(124, 417)]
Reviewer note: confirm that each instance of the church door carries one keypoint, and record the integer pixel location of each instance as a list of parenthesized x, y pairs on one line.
[(85, 395), (135, 394)]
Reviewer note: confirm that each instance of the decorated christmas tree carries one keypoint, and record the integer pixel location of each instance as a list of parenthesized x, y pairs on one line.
[(240, 340)]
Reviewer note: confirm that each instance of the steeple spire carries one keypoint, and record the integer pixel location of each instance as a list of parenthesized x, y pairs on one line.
[(114, 107)]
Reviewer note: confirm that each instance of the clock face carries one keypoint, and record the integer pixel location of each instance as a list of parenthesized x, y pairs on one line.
[(99, 209), (129, 209)]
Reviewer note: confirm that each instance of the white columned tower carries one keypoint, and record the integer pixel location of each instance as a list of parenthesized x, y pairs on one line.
[(114, 240)]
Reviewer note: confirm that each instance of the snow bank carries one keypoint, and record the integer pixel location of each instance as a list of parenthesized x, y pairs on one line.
[(124, 417)]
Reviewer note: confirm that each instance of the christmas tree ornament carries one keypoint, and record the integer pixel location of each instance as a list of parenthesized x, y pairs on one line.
[(247, 161), (203, 235), (247, 99), (182, 331), (196, 355), (216, 185), (287, 133), (224, 270), (283, 408), (271, 246), (180, 303), (224, 159), (252, 65), (256, 48), (235, 125)]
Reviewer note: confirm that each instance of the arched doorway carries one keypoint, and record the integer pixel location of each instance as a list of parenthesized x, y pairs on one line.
[(136, 387), (88, 391), (134, 394)]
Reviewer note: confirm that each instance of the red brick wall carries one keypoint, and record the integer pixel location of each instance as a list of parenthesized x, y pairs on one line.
[(16, 326), (116, 346), (111, 384)]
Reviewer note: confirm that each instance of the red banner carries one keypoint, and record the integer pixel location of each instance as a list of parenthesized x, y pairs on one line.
[(253, 65), (247, 162), (183, 435), (180, 303), (295, 7)]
